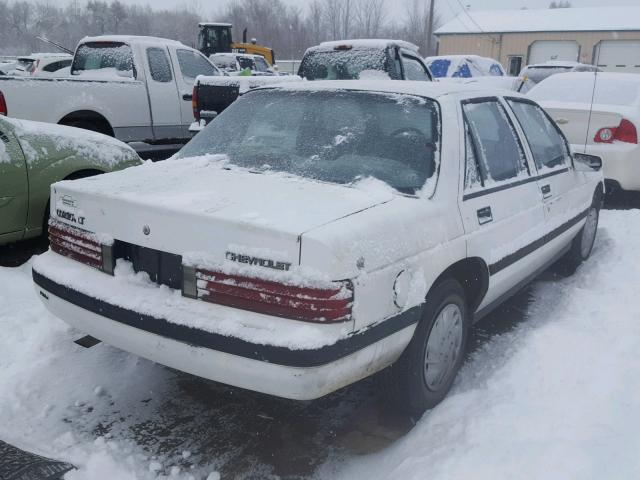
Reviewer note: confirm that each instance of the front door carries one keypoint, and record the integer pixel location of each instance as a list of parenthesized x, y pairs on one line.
[(501, 206), (14, 186), (163, 95)]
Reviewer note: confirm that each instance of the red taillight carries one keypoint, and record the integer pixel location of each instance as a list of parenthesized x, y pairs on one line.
[(79, 245), (3, 105), (194, 103), (625, 132), (322, 305)]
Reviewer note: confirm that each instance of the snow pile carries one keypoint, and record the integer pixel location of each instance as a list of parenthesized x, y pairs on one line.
[(558, 397)]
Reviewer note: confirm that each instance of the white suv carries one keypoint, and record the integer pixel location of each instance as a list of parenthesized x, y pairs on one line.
[(311, 236)]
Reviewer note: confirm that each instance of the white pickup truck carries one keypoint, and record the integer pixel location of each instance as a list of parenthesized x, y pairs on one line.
[(137, 89)]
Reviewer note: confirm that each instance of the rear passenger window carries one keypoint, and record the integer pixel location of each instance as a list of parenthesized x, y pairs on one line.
[(413, 69), (159, 65), (492, 143), (548, 146)]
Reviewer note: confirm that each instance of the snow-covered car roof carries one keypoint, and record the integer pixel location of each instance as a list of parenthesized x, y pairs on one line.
[(214, 24), (606, 18), (557, 63), (234, 55), (132, 39), (41, 56), (378, 43), (425, 89)]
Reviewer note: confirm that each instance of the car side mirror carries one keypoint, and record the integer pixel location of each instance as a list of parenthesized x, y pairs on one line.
[(587, 162)]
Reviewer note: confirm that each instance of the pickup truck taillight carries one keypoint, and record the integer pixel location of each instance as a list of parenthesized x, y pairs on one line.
[(625, 132), (3, 105), (320, 305), (80, 245), (194, 103)]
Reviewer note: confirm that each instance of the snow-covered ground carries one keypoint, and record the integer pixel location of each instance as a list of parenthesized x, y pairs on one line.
[(556, 396)]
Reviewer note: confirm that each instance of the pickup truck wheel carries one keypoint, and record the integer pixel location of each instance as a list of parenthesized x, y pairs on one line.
[(582, 244), (423, 375)]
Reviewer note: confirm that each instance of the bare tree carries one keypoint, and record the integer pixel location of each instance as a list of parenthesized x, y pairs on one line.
[(369, 17)]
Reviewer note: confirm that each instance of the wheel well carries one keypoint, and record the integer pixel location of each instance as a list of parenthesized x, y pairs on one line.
[(598, 194), (83, 174), (473, 275), (88, 120)]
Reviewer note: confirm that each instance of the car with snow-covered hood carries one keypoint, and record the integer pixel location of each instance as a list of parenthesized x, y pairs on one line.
[(318, 232), (34, 155)]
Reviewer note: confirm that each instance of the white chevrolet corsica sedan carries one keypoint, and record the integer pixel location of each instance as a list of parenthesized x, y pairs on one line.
[(317, 233)]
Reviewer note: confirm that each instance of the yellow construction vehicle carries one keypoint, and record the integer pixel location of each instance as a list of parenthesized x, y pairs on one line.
[(216, 38)]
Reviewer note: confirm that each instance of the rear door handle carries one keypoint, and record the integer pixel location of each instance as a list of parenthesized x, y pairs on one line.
[(187, 96), (546, 191), (562, 121), (484, 215)]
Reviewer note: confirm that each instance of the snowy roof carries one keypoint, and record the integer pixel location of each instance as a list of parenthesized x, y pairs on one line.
[(35, 56), (557, 63), (379, 43), (233, 55), (214, 24), (424, 89), (546, 20), (131, 39)]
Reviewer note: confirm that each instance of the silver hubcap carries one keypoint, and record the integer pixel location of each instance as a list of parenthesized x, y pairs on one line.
[(589, 232), (443, 347)]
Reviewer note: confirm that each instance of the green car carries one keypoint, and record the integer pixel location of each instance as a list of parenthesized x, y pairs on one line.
[(34, 155)]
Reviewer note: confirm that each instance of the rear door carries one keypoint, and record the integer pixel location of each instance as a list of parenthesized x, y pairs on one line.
[(565, 194), (501, 206), (14, 186), (188, 65), (163, 94)]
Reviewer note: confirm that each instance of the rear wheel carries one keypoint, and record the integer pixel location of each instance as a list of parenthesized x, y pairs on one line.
[(423, 375), (582, 244)]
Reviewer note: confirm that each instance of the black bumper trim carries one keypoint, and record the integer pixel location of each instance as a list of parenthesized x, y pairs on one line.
[(232, 345)]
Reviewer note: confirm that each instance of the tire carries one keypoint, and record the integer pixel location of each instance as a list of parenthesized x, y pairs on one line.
[(415, 386), (582, 244)]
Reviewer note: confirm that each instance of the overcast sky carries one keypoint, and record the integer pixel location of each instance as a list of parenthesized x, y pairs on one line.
[(446, 8)]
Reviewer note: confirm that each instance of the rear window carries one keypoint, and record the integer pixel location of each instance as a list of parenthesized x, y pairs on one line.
[(579, 88), (537, 74), (107, 57), (336, 136), (344, 64)]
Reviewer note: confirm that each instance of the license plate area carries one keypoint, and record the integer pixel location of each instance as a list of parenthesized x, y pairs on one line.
[(163, 268)]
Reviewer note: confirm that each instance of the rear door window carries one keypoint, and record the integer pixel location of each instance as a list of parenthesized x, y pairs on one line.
[(495, 146), (413, 69), (159, 66), (547, 144)]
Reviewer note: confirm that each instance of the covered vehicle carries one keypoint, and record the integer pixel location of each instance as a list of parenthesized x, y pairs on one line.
[(464, 66), (468, 69), (539, 71), (600, 114), (318, 232), (34, 155)]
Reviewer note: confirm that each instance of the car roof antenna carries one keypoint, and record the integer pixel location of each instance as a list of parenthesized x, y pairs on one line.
[(593, 95)]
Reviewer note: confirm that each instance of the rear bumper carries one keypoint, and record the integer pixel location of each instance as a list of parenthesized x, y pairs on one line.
[(620, 162), (301, 374)]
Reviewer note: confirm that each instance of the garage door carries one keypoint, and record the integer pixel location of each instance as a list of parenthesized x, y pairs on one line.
[(618, 55), (545, 50)]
